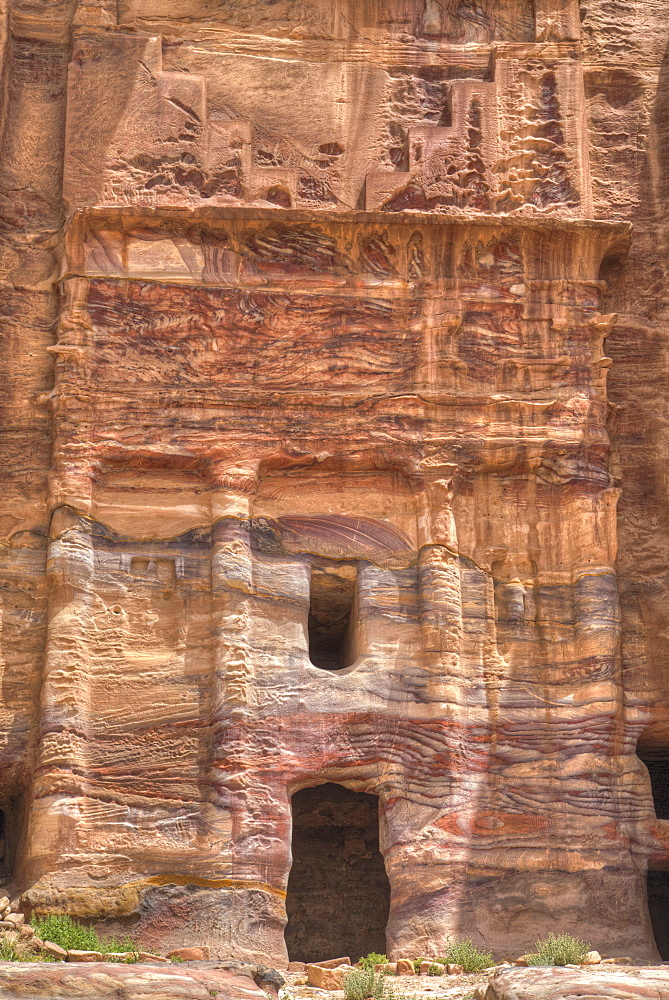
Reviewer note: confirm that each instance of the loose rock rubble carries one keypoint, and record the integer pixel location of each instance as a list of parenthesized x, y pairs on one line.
[(327, 979), (596, 977)]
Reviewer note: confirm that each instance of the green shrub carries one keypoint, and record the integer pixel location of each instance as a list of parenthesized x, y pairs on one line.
[(70, 934), (466, 954), (364, 984), (417, 962), (435, 970), (560, 949), (370, 961), (66, 932)]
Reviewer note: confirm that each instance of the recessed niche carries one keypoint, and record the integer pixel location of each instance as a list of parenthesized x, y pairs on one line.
[(332, 614), (162, 570)]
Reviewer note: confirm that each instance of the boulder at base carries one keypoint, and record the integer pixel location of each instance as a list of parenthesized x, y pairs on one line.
[(551, 983), (100, 980)]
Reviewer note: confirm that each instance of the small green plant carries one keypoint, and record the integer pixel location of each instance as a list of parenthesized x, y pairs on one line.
[(128, 953), (417, 962), (558, 949), (8, 952), (21, 951), (62, 930), (466, 954), (365, 984), (70, 934), (176, 959), (435, 970), (369, 962), (15, 952)]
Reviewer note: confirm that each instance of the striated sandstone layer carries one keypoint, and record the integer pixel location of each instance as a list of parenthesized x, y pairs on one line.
[(99, 980), (312, 470)]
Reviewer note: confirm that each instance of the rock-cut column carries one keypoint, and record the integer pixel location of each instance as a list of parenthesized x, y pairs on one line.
[(57, 820), (424, 909), (244, 916), (36, 44)]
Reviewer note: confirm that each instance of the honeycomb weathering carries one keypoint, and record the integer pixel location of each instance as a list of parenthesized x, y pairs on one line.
[(314, 472)]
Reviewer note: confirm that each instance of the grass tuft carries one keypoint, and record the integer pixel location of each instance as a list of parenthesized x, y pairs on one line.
[(560, 949), (466, 954), (365, 984), (70, 934)]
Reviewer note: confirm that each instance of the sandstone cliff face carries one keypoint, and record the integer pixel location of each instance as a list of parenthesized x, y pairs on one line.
[(310, 470)]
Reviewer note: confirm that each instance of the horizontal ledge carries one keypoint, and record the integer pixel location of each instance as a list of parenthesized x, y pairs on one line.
[(221, 213)]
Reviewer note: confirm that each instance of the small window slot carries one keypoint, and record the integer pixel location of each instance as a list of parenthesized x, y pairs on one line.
[(332, 614)]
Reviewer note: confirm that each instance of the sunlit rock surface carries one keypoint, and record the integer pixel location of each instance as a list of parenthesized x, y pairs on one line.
[(557, 983), (310, 468), (99, 980)]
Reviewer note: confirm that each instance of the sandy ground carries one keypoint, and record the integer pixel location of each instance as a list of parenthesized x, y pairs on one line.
[(464, 987), (451, 987)]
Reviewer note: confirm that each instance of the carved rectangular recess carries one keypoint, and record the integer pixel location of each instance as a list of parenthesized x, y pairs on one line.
[(333, 614), (161, 570)]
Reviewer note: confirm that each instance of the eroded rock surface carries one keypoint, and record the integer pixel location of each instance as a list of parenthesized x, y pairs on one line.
[(556, 984), (310, 465), (102, 979)]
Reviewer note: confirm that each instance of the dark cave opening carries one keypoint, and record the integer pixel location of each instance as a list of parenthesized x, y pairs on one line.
[(331, 603), (657, 764), (338, 890), (658, 770), (658, 907)]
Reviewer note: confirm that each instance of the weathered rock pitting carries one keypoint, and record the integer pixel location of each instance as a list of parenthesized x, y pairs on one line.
[(310, 467)]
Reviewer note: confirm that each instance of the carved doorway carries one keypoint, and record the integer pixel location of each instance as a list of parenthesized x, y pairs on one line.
[(338, 891), (657, 763), (658, 908)]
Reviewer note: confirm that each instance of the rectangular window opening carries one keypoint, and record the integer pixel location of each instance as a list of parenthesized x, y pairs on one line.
[(332, 614)]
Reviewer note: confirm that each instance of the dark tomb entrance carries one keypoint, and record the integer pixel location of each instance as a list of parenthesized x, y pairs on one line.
[(338, 890), (657, 762), (658, 908)]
